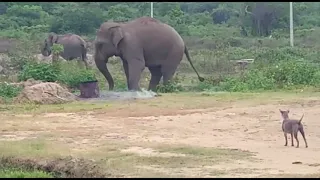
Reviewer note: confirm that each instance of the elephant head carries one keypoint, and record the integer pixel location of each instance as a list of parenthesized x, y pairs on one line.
[(106, 44), (48, 42)]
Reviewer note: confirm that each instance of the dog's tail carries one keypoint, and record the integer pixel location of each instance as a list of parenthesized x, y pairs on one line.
[(301, 119)]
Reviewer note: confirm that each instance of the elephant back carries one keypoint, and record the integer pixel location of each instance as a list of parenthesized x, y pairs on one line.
[(72, 39)]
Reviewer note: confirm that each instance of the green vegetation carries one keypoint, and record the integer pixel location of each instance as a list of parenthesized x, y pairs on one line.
[(39, 71), (67, 73), (190, 19), (273, 69), (8, 90), (15, 173)]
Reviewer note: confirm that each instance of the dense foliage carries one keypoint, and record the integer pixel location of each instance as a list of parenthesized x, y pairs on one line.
[(189, 18)]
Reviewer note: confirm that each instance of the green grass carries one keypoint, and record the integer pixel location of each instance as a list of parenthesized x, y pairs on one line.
[(15, 173)]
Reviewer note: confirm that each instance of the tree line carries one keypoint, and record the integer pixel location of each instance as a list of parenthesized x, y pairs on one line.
[(188, 18)]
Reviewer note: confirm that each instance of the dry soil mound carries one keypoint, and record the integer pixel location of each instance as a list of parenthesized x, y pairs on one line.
[(45, 93)]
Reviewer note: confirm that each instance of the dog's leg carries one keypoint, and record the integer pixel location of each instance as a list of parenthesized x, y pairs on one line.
[(292, 139), (286, 138), (296, 137), (303, 135)]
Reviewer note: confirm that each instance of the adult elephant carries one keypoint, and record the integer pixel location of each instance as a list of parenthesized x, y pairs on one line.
[(74, 46), (140, 43)]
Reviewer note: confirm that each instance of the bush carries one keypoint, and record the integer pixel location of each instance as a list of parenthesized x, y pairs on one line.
[(39, 71), (74, 78), (9, 91), (288, 73), (68, 73), (172, 86), (284, 74), (251, 80)]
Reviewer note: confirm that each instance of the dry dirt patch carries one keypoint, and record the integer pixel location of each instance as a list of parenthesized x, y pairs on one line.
[(246, 123)]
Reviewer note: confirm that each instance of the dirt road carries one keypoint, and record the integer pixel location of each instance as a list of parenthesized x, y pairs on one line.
[(253, 127)]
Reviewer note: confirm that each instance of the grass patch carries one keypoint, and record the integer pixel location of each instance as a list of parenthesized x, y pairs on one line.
[(211, 154), (16, 173), (34, 148)]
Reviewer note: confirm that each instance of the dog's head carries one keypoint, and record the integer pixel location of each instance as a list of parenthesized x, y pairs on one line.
[(284, 114)]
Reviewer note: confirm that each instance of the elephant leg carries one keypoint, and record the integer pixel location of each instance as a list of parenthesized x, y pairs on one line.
[(168, 72), (155, 77), (126, 71), (84, 56), (135, 68), (171, 64)]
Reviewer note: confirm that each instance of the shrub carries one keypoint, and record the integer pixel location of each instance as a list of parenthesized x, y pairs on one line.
[(39, 71), (74, 78), (9, 91), (288, 73), (68, 73), (172, 86), (251, 80), (284, 74)]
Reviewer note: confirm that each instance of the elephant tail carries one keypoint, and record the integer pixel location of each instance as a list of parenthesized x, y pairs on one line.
[(201, 79)]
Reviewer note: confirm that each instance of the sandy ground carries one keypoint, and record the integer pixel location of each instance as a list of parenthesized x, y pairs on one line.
[(256, 128)]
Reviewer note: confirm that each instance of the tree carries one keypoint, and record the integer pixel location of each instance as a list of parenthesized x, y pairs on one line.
[(262, 16), (78, 21), (121, 12)]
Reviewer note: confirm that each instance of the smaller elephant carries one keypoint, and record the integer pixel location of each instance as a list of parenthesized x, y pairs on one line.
[(74, 46)]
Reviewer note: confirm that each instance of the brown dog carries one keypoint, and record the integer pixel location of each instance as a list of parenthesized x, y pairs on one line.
[(292, 126)]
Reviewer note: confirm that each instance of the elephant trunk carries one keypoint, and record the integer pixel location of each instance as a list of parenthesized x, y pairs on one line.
[(102, 66), (201, 79), (45, 51)]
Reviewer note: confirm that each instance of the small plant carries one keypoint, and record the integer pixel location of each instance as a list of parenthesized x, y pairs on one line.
[(39, 71), (172, 86), (9, 90), (56, 50), (71, 75), (73, 79)]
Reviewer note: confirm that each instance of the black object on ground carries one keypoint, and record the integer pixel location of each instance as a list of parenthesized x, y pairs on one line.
[(89, 89)]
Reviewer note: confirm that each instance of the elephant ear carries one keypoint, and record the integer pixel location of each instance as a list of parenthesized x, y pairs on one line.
[(116, 35)]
